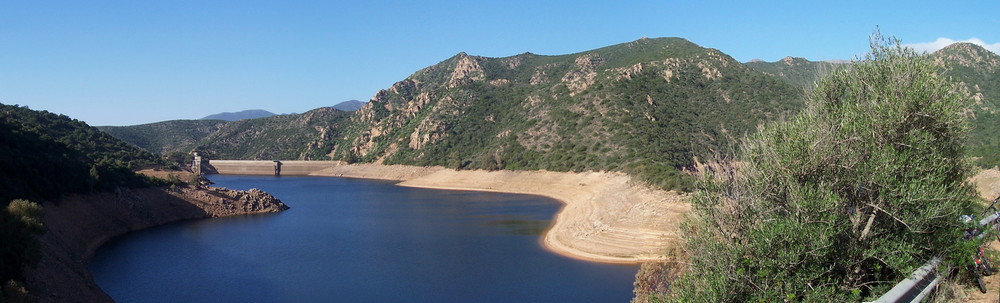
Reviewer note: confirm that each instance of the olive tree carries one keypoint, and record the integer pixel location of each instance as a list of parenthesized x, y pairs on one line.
[(841, 201)]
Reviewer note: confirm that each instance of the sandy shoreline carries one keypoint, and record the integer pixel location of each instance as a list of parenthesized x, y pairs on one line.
[(606, 217)]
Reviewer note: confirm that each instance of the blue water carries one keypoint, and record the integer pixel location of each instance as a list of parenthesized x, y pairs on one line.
[(347, 240)]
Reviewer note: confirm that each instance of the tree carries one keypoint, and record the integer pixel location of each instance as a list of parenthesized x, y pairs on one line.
[(20, 225), (842, 201)]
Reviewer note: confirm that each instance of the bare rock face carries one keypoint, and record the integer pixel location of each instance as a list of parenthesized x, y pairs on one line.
[(466, 70), (583, 74)]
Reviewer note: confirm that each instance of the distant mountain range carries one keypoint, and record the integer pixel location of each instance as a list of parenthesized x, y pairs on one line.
[(648, 108), (240, 115), (349, 106)]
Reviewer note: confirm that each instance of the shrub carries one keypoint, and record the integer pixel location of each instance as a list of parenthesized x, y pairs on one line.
[(841, 202)]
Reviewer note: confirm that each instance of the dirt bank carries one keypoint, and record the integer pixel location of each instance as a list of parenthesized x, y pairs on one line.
[(78, 224), (606, 217), (987, 182)]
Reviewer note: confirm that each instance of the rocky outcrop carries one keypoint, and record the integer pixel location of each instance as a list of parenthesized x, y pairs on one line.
[(466, 71), (79, 224), (583, 73)]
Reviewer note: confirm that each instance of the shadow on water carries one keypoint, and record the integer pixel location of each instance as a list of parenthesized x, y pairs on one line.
[(177, 251)]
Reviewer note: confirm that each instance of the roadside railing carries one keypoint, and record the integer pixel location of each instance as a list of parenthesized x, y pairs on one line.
[(915, 287), (925, 279)]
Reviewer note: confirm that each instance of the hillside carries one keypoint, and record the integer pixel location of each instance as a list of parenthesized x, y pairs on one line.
[(44, 155), (795, 70), (240, 115), (167, 136), (306, 136), (978, 71), (646, 107)]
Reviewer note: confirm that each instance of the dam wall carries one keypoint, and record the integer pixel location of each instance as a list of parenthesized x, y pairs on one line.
[(264, 167)]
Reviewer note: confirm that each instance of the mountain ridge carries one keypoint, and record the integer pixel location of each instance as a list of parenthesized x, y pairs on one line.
[(240, 115), (646, 107)]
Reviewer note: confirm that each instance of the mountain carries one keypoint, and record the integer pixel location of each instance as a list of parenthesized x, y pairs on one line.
[(797, 71), (349, 106), (646, 107), (978, 71), (247, 114)]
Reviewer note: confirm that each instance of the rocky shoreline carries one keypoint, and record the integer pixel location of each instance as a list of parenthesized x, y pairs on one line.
[(77, 225)]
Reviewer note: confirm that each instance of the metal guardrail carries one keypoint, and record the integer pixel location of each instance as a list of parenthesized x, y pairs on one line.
[(915, 287), (923, 280)]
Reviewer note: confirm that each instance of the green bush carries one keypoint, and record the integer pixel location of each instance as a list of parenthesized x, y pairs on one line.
[(20, 224), (841, 202)]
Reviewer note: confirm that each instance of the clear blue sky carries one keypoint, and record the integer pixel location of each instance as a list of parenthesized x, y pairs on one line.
[(132, 62)]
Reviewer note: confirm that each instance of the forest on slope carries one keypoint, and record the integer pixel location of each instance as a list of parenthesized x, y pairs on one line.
[(44, 155)]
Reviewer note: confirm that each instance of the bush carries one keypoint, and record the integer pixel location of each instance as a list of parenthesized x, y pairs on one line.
[(20, 224), (844, 200)]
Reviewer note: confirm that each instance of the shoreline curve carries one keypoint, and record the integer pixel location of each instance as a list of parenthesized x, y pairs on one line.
[(605, 217)]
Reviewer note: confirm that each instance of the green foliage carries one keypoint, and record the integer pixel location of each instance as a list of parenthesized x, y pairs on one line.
[(167, 136), (532, 112), (796, 71), (978, 70), (842, 201), (44, 155), (20, 225), (984, 140), (307, 136)]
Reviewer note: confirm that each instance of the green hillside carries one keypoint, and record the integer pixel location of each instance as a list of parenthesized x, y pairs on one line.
[(647, 107), (297, 136), (167, 136), (306, 136), (978, 71), (44, 155), (795, 70)]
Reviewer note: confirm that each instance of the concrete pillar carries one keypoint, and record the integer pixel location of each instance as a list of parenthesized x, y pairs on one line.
[(196, 165)]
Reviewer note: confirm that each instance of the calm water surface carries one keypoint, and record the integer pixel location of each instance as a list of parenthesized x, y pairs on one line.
[(346, 240)]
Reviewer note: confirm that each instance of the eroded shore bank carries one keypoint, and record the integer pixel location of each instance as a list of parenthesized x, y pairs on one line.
[(606, 217), (77, 225)]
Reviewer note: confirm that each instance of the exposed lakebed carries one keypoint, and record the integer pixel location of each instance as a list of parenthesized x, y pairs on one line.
[(355, 240)]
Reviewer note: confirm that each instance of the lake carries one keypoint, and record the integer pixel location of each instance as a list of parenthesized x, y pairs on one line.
[(350, 240)]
